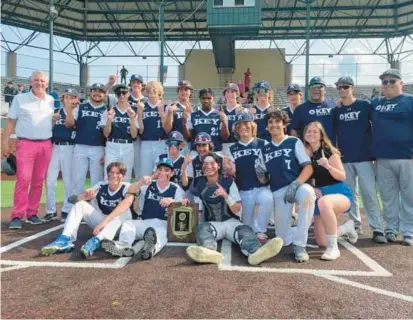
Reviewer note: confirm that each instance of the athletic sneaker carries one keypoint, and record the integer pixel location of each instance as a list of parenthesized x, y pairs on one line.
[(90, 247), (148, 250), (120, 248), (60, 245), (204, 255), (15, 223), (391, 237), (379, 237), (34, 220), (408, 241), (270, 249), (63, 216), (300, 254), (349, 230), (49, 217)]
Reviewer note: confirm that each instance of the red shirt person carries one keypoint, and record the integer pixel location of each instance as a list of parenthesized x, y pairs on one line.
[(247, 80)]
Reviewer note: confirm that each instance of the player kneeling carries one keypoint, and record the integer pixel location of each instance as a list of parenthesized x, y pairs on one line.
[(222, 208), (154, 201), (105, 197)]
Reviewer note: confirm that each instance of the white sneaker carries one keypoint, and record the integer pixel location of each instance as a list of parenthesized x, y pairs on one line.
[(349, 230), (204, 255), (331, 253)]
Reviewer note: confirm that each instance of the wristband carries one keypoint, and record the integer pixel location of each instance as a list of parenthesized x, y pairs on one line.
[(230, 202)]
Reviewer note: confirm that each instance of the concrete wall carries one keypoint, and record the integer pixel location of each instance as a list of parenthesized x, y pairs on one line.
[(266, 64)]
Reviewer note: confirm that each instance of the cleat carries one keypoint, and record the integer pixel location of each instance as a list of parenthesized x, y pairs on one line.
[(90, 247), (148, 250), (62, 244), (119, 248), (204, 255), (378, 237), (391, 237), (300, 254), (269, 250)]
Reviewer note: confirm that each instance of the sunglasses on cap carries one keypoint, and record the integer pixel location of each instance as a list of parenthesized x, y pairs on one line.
[(261, 91), (121, 92), (316, 86), (344, 87), (391, 81), (171, 143), (202, 140)]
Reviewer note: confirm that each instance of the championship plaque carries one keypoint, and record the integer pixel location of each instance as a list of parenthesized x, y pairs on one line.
[(182, 222)]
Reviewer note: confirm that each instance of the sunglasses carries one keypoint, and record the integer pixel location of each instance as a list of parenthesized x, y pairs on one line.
[(342, 88), (172, 143), (261, 91), (316, 86), (386, 82), (201, 139), (120, 93), (206, 98)]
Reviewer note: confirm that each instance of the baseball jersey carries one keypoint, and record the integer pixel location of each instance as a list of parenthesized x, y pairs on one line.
[(60, 132), (88, 129), (120, 124), (290, 116), (177, 118), (215, 208), (200, 121), (232, 116), (353, 129), (176, 178), (284, 161), (244, 157), (152, 124), (259, 118), (309, 112), (392, 121), (106, 201), (151, 195), (134, 101)]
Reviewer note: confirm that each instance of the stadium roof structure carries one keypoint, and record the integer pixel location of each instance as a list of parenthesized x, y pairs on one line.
[(186, 20)]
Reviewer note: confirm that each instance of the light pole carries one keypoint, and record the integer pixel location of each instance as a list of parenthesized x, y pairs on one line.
[(307, 46), (53, 14)]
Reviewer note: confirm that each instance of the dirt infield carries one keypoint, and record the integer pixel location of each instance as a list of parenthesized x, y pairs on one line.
[(368, 281)]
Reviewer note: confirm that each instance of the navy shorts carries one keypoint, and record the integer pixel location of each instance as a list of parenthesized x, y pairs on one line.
[(337, 188)]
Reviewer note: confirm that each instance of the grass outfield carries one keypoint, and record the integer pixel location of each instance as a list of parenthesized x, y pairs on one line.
[(7, 190)]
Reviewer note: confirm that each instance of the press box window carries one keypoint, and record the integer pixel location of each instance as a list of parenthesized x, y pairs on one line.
[(218, 3)]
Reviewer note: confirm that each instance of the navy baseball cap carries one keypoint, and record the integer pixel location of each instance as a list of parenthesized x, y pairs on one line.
[(137, 77), (244, 117), (262, 85), (345, 80), (317, 80), (185, 84), (294, 88), (165, 162), (392, 73), (231, 86), (119, 87), (202, 138), (98, 86), (70, 92), (175, 136)]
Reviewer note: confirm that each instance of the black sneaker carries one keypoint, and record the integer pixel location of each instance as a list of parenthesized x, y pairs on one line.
[(63, 216), (15, 223), (34, 220), (148, 249), (391, 237), (379, 237), (49, 217)]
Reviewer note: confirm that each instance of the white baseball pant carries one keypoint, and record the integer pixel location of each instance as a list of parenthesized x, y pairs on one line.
[(137, 158), (122, 152), (150, 150), (84, 158), (305, 199), (92, 217), (261, 197), (61, 160), (134, 230)]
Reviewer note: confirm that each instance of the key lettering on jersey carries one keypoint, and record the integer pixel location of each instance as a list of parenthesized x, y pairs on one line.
[(150, 114), (89, 113), (153, 196), (60, 122), (247, 152), (109, 203), (350, 116), (319, 112), (198, 173), (206, 121), (278, 153), (120, 119), (386, 107)]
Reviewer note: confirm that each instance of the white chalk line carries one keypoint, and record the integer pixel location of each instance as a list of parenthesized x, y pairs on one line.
[(13, 268)]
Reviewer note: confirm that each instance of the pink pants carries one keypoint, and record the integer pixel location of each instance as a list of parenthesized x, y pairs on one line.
[(33, 159)]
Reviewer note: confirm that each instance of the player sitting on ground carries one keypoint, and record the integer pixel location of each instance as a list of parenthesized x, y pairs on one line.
[(333, 195), (222, 209), (154, 201), (105, 197), (285, 161)]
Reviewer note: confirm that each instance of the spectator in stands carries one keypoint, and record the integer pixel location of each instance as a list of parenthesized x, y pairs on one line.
[(21, 89), (244, 98), (31, 115), (56, 97), (9, 93), (392, 146), (123, 73), (247, 80), (294, 95), (376, 93)]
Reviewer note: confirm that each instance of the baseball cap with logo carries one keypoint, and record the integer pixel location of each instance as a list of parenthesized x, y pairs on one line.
[(316, 80), (185, 84), (70, 92), (98, 86), (392, 73), (345, 80), (262, 85), (231, 86), (175, 136), (137, 77), (294, 88), (244, 117), (166, 162), (202, 138)]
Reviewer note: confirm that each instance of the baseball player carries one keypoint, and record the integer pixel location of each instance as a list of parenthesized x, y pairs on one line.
[(294, 95), (334, 197), (317, 108), (207, 120), (353, 127), (120, 125), (64, 134), (222, 208), (260, 109), (392, 146), (151, 117), (155, 197), (285, 164), (104, 197), (233, 112), (89, 147), (244, 153)]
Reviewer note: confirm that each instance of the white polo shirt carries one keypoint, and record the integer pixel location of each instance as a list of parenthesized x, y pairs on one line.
[(33, 115)]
